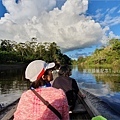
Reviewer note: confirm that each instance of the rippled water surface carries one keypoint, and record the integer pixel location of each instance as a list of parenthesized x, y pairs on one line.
[(104, 83)]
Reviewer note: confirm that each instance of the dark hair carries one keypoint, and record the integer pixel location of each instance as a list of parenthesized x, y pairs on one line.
[(57, 66), (40, 82), (64, 71)]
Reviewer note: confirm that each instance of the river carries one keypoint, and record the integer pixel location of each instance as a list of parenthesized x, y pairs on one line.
[(104, 83)]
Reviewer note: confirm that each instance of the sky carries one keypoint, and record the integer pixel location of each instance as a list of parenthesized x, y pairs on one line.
[(77, 26)]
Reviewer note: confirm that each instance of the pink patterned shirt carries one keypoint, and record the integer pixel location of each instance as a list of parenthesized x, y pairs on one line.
[(31, 108)]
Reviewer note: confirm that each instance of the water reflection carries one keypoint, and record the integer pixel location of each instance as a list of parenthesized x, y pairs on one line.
[(12, 85), (12, 80), (106, 76), (102, 82)]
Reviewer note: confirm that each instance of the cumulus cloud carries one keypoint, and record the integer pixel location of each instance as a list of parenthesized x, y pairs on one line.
[(67, 25)]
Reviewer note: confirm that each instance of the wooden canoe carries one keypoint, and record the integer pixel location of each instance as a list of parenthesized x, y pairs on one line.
[(84, 110)]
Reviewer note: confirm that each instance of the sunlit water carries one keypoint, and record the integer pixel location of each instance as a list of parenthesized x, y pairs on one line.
[(102, 83)]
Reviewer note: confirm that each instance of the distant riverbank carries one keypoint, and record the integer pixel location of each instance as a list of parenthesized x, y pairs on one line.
[(12, 66)]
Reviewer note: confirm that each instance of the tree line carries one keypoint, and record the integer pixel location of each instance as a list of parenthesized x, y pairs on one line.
[(13, 52), (108, 55)]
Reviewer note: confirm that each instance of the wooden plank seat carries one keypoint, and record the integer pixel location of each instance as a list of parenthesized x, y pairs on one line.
[(79, 108)]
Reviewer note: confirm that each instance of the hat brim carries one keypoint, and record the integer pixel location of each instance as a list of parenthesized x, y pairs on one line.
[(50, 65)]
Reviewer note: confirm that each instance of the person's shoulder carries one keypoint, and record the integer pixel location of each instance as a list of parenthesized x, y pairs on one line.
[(55, 89), (26, 95), (27, 92), (58, 91), (58, 78), (58, 94)]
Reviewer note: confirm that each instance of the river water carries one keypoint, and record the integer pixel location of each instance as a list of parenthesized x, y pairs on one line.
[(103, 83)]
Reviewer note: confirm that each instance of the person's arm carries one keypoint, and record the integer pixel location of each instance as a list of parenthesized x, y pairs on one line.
[(75, 86)]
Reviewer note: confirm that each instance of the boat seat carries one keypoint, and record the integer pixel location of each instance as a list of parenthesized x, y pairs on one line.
[(79, 108)]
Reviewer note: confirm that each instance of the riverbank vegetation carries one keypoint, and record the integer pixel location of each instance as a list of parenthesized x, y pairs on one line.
[(13, 52), (106, 56)]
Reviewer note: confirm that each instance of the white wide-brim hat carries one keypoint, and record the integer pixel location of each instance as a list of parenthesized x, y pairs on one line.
[(36, 69)]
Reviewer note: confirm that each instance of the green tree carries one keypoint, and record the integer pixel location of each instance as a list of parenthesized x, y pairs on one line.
[(6, 45)]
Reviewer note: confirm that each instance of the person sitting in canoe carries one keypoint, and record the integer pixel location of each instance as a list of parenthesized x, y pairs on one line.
[(41, 102), (67, 84)]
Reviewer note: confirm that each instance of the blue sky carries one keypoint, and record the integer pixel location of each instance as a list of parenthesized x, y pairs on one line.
[(2, 9), (78, 27)]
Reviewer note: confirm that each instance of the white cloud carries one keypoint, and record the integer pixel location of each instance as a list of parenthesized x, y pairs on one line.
[(112, 35), (118, 11), (108, 17), (68, 26)]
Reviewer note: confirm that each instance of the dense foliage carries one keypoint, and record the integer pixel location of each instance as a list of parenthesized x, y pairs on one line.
[(105, 56), (13, 52)]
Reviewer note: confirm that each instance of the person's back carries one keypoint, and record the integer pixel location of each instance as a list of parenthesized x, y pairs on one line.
[(68, 85), (30, 107)]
